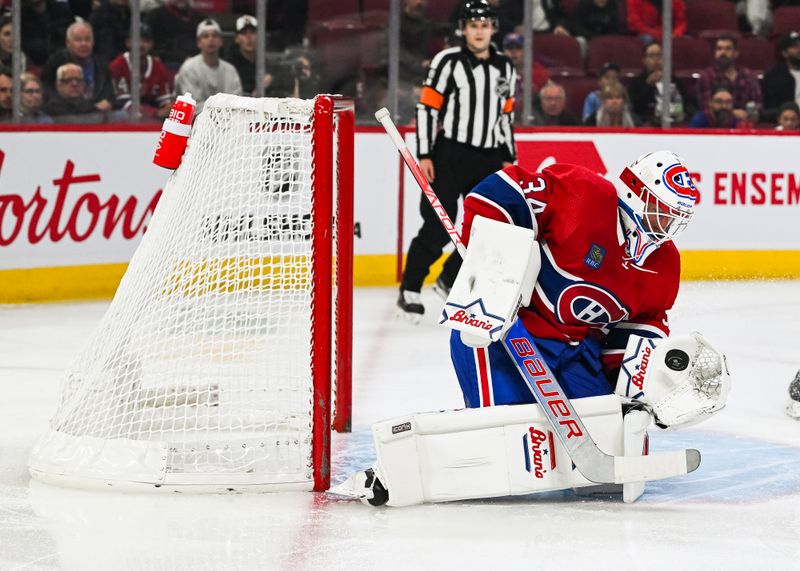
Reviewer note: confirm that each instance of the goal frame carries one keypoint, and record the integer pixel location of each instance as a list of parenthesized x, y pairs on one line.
[(329, 109), (88, 461)]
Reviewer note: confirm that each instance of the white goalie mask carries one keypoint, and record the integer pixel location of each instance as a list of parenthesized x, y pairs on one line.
[(657, 196)]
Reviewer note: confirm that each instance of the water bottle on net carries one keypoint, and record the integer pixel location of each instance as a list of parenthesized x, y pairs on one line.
[(175, 133)]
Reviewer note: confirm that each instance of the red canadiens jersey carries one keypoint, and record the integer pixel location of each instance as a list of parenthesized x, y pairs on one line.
[(586, 286), (156, 80)]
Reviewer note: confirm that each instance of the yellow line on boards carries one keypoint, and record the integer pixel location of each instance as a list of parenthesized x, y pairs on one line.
[(101, 281)]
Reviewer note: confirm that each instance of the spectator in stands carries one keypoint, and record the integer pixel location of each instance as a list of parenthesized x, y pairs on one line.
[(6, 102), (756, 14), (719, 112), (96, 80), (305, 81), (781, 84), (44, 27), (550, 107), (111, 22), (513, 48), (286, 20), (156, 80), (206, 74), (242, 54), (70, 103), (645, 20), (595, 18), (609, 73), (613, 111), (646, 95), (741, 82), (416, 34), (174, 25), (7, 43), (789, 117), (32, 100)]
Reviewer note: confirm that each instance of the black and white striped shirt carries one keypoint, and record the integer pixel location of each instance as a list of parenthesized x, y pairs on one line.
[(472, 98)]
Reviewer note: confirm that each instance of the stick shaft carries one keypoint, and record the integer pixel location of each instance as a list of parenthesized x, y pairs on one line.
[(412, 164)]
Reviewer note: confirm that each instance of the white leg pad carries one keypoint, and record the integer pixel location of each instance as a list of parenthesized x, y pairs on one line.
[(486, 452)]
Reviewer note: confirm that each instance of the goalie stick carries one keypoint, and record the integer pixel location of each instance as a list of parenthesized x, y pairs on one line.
[(593, 463)]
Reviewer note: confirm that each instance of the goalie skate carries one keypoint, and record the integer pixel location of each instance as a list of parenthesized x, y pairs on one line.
[(793, 406), (409, 306), (364, 486)]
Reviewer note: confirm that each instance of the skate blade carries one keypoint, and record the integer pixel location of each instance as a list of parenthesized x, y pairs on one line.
[(413, 318), (793, 409)]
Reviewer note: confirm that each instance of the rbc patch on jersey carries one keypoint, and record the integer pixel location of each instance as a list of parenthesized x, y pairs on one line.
[(595, 257), (676, 178)]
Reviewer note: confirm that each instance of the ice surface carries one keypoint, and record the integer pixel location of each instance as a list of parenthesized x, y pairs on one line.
[(739, 510)]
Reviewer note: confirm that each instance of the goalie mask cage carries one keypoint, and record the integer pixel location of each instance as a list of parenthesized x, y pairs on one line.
[(214, 367)]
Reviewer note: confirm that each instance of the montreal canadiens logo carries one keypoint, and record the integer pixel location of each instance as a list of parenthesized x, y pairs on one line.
[(677, 179), (588, 304)]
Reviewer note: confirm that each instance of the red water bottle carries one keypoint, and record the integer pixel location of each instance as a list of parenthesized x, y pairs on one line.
[(175, 133)]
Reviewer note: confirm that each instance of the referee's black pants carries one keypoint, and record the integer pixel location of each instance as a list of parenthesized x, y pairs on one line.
[(457, 169)]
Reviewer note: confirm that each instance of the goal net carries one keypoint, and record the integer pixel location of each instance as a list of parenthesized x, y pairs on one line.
[(212, 368)]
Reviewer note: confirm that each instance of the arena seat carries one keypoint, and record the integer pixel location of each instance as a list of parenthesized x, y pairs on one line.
[(625, 51), (577, 88), (321, 10), (690, 54), (757, 54), (786, 19), (339, 45), (710, 15), (560, 54)]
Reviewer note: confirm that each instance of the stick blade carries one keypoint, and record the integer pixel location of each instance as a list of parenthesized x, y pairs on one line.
[(628, 469)]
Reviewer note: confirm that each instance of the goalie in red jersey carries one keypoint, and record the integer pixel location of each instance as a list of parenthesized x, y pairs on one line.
[(566, 284), (609, 269)]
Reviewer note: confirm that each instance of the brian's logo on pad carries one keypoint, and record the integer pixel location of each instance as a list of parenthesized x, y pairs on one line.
[(471, 318), (540, 454)]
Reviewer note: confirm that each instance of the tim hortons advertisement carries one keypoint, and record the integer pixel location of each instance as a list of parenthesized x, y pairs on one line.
[(80, 198), (75, 198)]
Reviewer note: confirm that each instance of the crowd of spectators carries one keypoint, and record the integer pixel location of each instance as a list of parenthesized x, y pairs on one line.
[(76, 59)]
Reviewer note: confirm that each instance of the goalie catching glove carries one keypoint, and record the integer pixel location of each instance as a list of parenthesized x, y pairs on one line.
[(682, 379)]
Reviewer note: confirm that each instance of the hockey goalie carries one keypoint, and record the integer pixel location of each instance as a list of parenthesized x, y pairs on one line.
[(567, 278)]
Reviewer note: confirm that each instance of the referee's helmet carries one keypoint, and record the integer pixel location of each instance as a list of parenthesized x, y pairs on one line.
[(477, 10)]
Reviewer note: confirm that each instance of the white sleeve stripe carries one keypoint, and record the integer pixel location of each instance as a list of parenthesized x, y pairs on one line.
[(513, 184), (493, 204)]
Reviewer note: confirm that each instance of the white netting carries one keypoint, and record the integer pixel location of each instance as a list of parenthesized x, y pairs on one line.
[(200, 370)]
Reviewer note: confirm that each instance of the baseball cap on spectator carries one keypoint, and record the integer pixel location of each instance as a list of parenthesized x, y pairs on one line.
[(145, 31), (208, 25), (512, 40), (245, 22), (608, 66), (788, 40)]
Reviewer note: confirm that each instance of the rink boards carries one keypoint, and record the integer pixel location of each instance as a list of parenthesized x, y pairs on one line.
[(74, 202)]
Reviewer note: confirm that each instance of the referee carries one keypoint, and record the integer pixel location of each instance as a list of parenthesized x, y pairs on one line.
[(469, 92)]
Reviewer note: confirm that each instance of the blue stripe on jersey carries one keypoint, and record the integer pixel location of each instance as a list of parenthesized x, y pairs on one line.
[(497, 190)]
